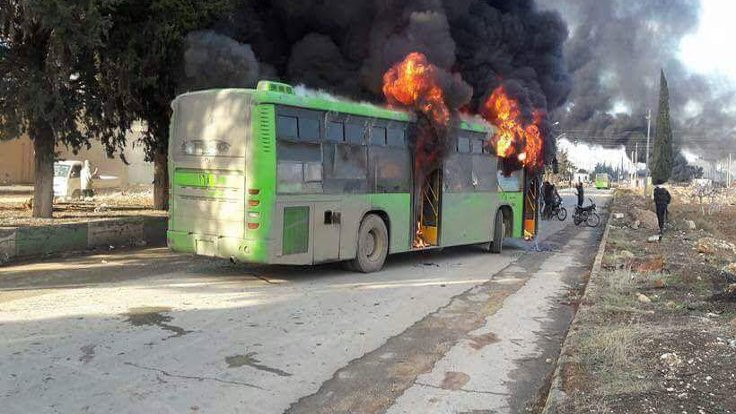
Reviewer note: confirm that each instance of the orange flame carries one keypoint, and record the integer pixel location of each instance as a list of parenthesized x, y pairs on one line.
[(413, 83), (513, 138)]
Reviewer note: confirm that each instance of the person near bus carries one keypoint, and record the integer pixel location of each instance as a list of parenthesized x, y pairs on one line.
[(581, 194), (547, 198), (662, 200), (85, 179)]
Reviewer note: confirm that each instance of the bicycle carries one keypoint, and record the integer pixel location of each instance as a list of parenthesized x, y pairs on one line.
[(587, 215)]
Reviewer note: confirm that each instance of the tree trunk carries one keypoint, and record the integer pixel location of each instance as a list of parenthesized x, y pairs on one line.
[(160, 180), (43, 190)]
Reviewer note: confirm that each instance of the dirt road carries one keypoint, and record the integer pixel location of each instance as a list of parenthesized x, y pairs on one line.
[(150, 331)]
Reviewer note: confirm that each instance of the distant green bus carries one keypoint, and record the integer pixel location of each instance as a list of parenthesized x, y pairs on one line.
[(269, 176), (602, 181)]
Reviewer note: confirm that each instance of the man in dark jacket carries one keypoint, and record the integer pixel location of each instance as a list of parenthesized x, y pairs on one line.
[(581, 193), (662, 199)]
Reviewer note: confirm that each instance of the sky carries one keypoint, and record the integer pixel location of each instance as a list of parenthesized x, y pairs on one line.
[(710, 51)]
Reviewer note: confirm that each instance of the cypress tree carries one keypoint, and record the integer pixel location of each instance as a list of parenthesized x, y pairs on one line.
[(662, 153)]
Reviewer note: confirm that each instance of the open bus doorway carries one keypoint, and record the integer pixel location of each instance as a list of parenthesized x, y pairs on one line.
[(428, 211)]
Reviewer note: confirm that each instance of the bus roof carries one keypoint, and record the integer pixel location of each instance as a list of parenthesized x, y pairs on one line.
[(279, 93)]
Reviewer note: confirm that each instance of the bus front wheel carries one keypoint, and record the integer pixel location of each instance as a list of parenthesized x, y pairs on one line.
[(499, 230), (372, 246)]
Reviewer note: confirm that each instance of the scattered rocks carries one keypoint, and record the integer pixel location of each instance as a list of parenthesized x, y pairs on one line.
[(618, 216), (710, 245), (690, 225), (635, 225), (646, 218), (653, 239), (626, 255), (643, 298)]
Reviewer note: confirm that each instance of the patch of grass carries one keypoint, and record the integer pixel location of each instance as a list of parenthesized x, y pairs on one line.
[(612, 353)]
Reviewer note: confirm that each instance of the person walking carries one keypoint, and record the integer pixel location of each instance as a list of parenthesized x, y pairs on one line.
[(662, 200), (85, 180), (547, 197)]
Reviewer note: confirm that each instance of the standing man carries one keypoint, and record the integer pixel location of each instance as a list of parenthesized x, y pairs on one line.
[(85, 180), (581, 194), (662, 199)]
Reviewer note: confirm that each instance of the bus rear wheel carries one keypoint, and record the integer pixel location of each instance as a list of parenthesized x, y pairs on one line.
[(499, 231), (372, 246)]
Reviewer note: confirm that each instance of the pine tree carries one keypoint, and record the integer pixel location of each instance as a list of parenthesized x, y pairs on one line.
[(662, 153)]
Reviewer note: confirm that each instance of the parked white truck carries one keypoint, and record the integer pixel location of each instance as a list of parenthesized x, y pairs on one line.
[(67, 181)]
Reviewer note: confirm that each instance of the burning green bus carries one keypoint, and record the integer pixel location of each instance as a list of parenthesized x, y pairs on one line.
[(270, 176)]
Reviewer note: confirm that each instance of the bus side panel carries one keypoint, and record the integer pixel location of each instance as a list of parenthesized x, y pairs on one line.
[(467, 218), (516, 201), (398, 208)]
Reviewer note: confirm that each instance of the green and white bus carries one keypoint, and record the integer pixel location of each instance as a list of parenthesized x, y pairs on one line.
[(270, 176), (602, 181)]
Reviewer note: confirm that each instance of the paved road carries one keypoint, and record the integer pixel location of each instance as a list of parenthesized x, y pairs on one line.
[(151, 331)]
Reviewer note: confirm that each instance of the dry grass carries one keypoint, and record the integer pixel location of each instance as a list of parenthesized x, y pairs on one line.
[(611, 352)]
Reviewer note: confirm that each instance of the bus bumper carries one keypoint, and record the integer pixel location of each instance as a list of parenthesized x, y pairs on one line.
[(240, 250)]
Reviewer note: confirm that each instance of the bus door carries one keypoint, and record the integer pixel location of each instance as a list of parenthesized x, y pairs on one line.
[(531, 205), (428, 211)]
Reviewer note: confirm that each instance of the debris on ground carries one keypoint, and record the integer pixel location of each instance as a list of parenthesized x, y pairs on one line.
[(656, 332)]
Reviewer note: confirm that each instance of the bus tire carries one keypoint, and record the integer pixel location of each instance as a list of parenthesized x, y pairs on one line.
[(372, 247), (499, 230)]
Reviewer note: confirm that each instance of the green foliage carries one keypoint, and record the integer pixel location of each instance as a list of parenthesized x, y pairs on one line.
[(48, 86), (662, 154), (143, 59)]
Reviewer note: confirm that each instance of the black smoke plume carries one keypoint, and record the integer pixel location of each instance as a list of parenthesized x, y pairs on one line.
[(345, 46), (614, 57)]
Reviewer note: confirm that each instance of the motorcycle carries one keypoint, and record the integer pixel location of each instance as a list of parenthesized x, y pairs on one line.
[(586, 215)]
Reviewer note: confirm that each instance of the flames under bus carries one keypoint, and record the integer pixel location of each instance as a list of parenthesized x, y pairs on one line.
[(269, 176)]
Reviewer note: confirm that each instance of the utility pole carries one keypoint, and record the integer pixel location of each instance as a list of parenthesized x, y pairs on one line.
[(636, 164), (730, 174), (646, 156)]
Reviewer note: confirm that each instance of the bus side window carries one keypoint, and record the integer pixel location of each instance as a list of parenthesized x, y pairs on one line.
[(286, 127), (308, 129), (335, 131), (463, 144), (378, 136), (396, 137), (477, 146), (354, 133)]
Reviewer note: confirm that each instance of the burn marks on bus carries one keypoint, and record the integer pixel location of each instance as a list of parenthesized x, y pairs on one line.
[(472, 166)]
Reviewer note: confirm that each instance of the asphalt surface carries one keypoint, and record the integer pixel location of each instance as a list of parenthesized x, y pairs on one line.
[(457, 330)]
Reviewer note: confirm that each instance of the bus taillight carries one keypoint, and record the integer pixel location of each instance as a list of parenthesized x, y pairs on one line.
[(254, 191), (253, 226), (254, 203)]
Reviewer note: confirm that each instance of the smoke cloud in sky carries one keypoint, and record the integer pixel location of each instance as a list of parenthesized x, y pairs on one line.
[(345, 46), (614, 55)]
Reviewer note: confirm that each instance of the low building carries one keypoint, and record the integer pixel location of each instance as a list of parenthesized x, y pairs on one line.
[(17, 161)]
